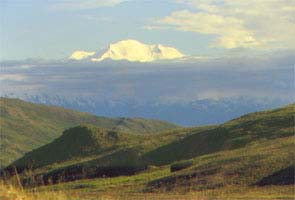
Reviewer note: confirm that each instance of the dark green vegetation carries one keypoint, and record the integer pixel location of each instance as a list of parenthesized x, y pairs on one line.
[(181, 165), (285, 176), (243, 152), (26, 126)]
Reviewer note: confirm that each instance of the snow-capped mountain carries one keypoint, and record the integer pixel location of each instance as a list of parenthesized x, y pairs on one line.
[(131, 50)]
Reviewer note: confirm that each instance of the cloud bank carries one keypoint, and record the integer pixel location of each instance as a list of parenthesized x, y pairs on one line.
[(257, 76)]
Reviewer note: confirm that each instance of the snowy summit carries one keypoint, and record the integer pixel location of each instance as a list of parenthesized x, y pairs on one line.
[(131, 50)]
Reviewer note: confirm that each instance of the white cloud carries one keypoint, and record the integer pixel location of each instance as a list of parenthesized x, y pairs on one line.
[(80, 55), (268, 24), (86, 4), (230, 31)]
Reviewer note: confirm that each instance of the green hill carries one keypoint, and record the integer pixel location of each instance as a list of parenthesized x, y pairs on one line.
[(251, 165), (242, 151), (238, 133), (256, 149), (89, 148), (78, 143), (26, 126)]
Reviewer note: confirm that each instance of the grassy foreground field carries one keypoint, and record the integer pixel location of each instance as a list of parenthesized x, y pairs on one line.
[(8, 192), (234, 186), (238, 171)]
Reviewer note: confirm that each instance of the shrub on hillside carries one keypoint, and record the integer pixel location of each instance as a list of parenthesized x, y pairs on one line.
[(181, 165)]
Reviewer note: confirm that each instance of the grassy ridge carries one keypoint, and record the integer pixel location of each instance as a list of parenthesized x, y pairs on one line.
[(266, 125), (89, 151), (78, 143), (26, 126), (244, 167)]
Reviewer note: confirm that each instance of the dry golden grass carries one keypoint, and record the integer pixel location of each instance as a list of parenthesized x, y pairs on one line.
[(10, 192)]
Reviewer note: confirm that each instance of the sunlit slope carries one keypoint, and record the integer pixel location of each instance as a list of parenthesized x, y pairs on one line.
[(238, 133), (25, 126), (266, 162)]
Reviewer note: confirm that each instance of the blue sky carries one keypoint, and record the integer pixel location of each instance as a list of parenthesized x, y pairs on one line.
[(54, 29), (49, 30)]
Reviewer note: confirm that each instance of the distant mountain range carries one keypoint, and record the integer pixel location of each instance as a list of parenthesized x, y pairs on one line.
[(193, 113), (130, 50)]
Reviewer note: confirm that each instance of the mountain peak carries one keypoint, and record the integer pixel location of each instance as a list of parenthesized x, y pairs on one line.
[(131, 50)]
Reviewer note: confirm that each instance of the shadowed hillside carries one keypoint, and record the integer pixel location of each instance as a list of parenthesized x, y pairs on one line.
[(285, 176), (25, 126), (78, 143)]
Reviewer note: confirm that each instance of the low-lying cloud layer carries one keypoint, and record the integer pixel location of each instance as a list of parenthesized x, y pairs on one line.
[(261, 76)]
